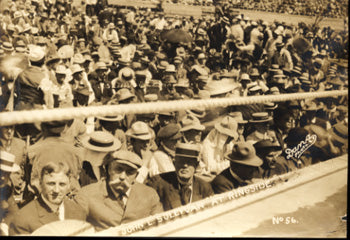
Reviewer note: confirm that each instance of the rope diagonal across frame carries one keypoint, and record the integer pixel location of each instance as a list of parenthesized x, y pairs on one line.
[(20, 117)]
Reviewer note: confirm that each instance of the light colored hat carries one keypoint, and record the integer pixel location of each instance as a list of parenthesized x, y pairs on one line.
[(61, 69), (201, 56), (7, 161), (126, 74), (191, 122), (139, 130), (187, 151), (123, 94), (78, 58), (340, 133), (101, 66), (7, 46), (76, 68), (244, 153), (101, 141), (245, 76), (126, 157), (151, 97), (227, 126), (260, 117), (170, 68), (36, 53)]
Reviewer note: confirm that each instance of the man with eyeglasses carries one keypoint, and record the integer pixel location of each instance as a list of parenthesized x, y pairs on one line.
[(118, 199)]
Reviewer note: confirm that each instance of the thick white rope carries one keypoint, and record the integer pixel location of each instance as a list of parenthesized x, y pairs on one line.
[(19, 117)]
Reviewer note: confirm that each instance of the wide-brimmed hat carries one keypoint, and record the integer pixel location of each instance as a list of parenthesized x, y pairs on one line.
[(296, 135), (311, 106), (123, 94), (101, 141), (170, 68), (112, 118), (227, 126), (170, 131), (36, 53), (52, 58), (222, 86), (254, 72), (260, 117), (101, 66), (162, 65), (340, 133), (126, 74), (191, 122), (126, 157), (7, 161), (274, 67), (187, 151), (238, 116), (76, 68), (151, 97), (267, 144), (244, 153), (245, 77), (279, 73), (296, 70), (198, 112), (78, 58), (56, 126), (139, 130), (270, 106)]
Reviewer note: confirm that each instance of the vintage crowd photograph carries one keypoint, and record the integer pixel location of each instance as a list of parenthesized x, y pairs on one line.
[(174, 118)]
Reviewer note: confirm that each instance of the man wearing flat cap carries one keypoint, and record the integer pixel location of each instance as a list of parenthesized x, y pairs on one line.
[(119, 198), (180, 187), (244, 166)]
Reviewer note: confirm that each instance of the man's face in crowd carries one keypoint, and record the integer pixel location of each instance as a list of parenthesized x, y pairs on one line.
[(140, 144), (121, 176), (55, 187), (240, 128), (270, 158), (6, 133), (244, 171), (60, 78), (17, 180), (193, 135), (185, 168), (4, 178)]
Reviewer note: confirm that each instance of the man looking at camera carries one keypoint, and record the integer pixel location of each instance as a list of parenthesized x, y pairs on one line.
[(119, 198)]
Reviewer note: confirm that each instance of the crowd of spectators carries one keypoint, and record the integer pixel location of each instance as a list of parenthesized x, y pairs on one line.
[(327, 8), (109, 170)]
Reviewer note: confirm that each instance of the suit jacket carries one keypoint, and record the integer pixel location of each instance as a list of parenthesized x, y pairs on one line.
[(166, 185), (104, 211), (36, 214)]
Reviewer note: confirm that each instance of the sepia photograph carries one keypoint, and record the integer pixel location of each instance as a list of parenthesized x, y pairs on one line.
[(174, 118)]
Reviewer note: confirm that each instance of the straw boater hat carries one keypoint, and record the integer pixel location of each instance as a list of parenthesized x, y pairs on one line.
[(187, 151), (7, 161), (260, 117), (101, 141), (340, 133), (244, 153), (139, 130), (238, 116)]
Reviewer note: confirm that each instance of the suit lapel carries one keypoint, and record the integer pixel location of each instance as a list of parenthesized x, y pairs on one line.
[(44, 212)]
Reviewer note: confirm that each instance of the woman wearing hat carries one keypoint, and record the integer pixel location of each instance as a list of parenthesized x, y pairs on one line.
[(219, 140)]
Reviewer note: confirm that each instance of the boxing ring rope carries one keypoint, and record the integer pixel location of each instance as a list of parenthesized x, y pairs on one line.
[(20, 117)]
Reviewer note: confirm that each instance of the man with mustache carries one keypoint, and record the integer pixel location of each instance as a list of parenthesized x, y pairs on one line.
[(51, 205), (180, 187), (118, 198)]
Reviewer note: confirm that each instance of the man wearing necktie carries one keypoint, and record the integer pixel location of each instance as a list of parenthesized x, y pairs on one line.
[(118, 199), (180, 187)]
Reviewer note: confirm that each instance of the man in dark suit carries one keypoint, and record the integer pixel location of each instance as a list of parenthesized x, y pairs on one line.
[(181, 187), (244, 166), (119, 198), (52, 204)]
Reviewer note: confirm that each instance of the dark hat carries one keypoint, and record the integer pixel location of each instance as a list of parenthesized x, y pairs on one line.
[(101, 141), (126, 157), (260, 117), (296, 135), (56, 126), (267, 144), (244, 153), (140, 130), (187, 151), (254, 72), (340, 133), (170, 131)]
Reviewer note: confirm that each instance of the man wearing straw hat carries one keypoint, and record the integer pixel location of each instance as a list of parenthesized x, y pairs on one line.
[(119, 198), (51, 205), (180, 187)]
